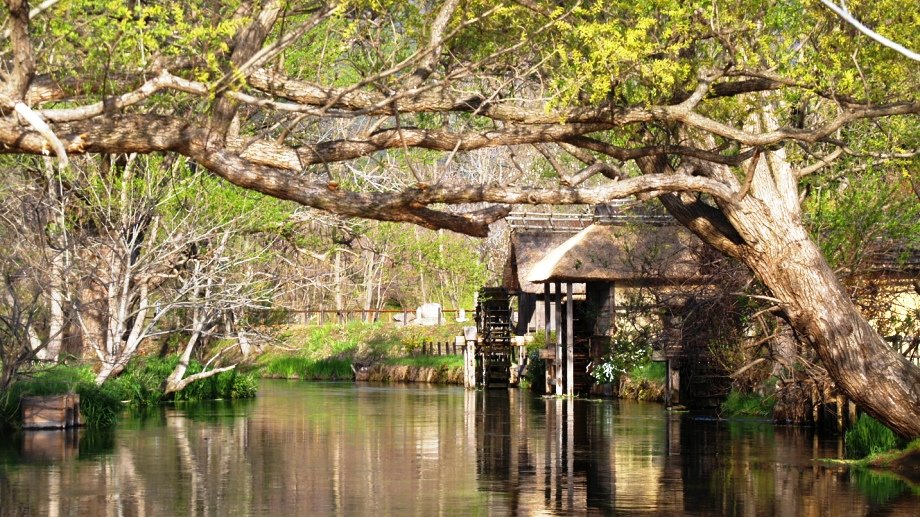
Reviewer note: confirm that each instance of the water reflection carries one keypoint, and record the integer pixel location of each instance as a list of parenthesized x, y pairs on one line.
[(340, 449)]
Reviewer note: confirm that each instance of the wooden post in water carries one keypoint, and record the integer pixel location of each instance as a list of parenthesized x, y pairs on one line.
[(569, 341), (550, 376), (468, 339), (560, 334)]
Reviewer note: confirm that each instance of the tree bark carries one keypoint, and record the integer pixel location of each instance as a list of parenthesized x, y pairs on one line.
[(869, 371), (763, 228)]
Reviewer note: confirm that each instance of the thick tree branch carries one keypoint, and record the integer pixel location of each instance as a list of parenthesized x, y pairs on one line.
[(436, 38), (23, 54)]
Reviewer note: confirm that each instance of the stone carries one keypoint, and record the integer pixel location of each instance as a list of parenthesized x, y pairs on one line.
[(428, 314)]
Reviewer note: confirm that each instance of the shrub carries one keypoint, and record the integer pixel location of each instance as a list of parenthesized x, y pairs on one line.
[(535, 373), (869, 436)]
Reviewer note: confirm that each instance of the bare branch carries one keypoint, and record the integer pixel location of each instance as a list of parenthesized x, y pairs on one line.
[(897, 47), (36, 122)]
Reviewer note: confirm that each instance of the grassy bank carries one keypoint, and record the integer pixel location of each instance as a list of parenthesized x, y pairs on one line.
[(327, 352), (139, 385), (748, 405)]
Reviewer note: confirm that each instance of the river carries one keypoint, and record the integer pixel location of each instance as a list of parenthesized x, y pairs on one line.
[(359, 449)]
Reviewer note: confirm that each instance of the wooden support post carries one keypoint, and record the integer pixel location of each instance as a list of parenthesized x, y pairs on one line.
[(559, 361), (469, 357), (667, 383), (673, 383), (547, 306), (569, 341)]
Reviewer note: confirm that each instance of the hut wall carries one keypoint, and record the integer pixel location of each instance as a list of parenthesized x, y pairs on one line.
[(600, 311)]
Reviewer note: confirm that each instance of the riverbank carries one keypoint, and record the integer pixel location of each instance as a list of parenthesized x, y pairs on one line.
[(140, 385), (383, 352), (363, 351), (905, 462)]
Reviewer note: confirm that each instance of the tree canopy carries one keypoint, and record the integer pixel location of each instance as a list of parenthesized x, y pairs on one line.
[(729, 112)]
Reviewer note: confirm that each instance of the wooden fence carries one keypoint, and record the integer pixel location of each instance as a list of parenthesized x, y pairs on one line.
[(438, 348), (404, 317)]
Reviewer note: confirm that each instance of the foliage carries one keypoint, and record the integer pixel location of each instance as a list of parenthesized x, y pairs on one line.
[(860, 217), (535, 372), (869, 436), (100, 405), (748, 404)]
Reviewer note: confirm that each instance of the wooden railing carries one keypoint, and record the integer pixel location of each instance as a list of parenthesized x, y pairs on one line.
[(323, 316)]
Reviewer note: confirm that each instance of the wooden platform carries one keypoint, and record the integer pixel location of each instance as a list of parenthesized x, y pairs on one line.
[(51, 412)]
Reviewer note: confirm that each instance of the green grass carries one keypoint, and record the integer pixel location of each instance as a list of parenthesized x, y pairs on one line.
[(869, 437), (299, 367), (651, 371), (748, 404), (142, 382)]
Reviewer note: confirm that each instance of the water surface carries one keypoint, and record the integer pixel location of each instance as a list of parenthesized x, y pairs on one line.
[(345, 449)]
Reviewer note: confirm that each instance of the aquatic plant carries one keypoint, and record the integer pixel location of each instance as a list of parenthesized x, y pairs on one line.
[(869, 436), (142, 382), (300, 367)]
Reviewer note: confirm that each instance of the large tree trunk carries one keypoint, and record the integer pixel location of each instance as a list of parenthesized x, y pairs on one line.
[(861, 363), (763, 228)]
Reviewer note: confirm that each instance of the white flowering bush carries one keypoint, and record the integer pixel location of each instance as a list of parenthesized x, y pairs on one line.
[(628, 349)]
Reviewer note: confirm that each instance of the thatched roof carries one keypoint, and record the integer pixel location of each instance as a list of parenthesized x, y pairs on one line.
[(528, 248), (630, 255)]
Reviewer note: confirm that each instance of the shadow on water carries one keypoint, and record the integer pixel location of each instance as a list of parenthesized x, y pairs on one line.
[(341, 448)]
